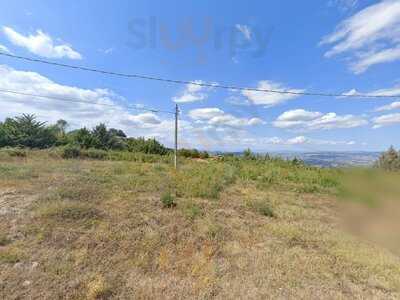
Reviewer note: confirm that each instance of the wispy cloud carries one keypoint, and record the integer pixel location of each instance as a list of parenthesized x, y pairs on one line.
[(391, 106), (302, 120), (386, 120), (390, 92), (4, 49), (40, 44), (370, 37), (245, 30), (344, 5)]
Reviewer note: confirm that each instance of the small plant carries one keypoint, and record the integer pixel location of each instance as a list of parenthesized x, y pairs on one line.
[(192, 210), (168, 200), (263, 208), (71, 151)]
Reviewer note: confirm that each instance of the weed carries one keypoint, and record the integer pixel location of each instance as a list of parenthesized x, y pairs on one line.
[(192, 210), (263, 208), (168, 200)]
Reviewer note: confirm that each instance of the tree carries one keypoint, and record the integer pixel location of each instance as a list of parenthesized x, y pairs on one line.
[(26, 131), (389, 160), (83, 138)]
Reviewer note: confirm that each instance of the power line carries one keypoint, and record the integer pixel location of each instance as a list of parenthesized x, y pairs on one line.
[(81, 101), (229, 87)]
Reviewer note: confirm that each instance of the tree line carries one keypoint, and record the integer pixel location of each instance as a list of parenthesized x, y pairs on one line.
[(27, 132)]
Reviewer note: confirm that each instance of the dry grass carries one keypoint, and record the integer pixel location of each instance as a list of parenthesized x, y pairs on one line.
[(98, 230)]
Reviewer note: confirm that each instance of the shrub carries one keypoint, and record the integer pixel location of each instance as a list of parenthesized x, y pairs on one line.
[(15, 152), (71, 151), (168, 200), (263, 208), (95, 154), (193, 153)]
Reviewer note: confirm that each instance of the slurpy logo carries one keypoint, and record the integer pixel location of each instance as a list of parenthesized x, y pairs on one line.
[(235, 40)]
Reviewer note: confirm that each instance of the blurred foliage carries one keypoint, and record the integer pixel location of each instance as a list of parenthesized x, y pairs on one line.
[(389, 160)]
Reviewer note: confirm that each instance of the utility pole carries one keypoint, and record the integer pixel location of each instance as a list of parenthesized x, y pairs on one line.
[(176, 137)]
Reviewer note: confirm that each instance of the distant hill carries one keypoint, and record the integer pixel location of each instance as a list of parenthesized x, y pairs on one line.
[(328, 159), (333, 159)]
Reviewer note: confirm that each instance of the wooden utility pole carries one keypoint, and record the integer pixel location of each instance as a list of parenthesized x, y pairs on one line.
[(176, 137)]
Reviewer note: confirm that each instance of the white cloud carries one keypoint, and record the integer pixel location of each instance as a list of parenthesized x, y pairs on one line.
[(302, 120), (245, 30), (145, 119), (192, 93), (386, 120), (372, 36), (391, 106), (369, 59), (269, 98), (216, 117), (390, 92), (4, 49), (40, 44), (109, 107)]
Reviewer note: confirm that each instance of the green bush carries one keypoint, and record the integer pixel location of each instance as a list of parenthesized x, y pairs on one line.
[(71, 151), (193, 153), (95, 154), (168, 200), (263, 208)]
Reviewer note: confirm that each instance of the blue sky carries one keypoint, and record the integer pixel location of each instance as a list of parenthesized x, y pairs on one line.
[(332, 46)]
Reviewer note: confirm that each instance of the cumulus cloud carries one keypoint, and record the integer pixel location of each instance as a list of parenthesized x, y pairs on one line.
[(371, 37), (192, 93), (217, 117), (40, 44), (386, 120), (391, 106), (269, 99), (4, 49), (302, 120), (245, 30)]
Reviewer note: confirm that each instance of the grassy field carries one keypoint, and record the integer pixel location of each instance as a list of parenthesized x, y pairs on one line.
[(133, 228)]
